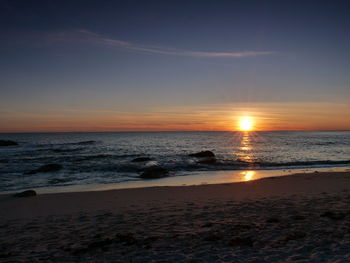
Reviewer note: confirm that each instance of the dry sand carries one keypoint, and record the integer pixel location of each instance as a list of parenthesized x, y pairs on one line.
[(298, 218)]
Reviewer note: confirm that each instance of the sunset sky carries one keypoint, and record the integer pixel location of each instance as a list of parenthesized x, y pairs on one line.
[(174, 65)]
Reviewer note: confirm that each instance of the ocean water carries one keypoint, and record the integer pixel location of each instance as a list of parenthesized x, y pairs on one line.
[(106, 158)]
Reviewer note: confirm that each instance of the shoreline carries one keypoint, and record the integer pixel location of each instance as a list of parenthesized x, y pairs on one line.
[(296, 218), (191, 179)]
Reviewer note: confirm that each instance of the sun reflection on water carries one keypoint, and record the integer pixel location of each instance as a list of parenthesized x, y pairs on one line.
[(248, 175), (245, 147), (245, 142)]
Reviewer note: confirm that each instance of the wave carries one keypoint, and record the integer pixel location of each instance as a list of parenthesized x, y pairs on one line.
[(227, 165), (82, 143), (102, 156), (71, 158), (241, 165), (123, 163), (58, 150), (79, 143)]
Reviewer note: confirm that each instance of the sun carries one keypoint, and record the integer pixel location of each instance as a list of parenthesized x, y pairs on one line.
[(246, 124)]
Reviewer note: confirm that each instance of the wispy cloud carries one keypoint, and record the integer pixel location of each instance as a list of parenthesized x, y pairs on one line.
[(83, 35)]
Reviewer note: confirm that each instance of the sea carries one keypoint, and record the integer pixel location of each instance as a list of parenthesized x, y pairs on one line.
[(106, 158)]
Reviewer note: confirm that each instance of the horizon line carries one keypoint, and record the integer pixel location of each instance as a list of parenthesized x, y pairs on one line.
[(135, 131)]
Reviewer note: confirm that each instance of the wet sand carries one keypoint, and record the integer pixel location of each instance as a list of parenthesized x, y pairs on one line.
[(297, 218)]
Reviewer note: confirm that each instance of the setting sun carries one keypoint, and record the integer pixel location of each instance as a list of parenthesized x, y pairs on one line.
[(246, 124)]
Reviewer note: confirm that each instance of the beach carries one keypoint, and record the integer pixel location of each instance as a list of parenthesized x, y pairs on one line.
[(296, 218), (174, 131)]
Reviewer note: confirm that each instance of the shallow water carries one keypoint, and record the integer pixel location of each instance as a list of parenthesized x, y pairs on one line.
[(105, 158)]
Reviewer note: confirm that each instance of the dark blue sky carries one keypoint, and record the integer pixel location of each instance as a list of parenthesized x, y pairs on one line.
[(59, 57)]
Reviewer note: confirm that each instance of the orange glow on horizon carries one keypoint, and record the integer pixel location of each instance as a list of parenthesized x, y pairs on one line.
[(263, 117)]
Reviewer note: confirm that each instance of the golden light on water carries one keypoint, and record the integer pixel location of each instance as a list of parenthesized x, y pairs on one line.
[(248, 175), (246, 123)]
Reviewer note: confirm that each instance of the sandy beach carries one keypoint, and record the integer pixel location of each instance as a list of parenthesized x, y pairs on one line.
[(297, 218)]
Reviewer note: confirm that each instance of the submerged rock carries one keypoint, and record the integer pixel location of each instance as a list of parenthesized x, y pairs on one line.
[(8, 143), (141, 159), (52, 167), (154, 172), (202, 154), (27, 193)]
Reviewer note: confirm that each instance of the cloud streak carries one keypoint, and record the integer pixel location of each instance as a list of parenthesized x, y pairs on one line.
[(91, 37)]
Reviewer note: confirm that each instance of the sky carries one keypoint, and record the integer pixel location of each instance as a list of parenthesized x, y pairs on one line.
[(174, 65)]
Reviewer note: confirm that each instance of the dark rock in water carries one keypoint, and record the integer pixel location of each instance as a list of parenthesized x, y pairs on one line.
[(141, 159), (27, 193), (209, 160), (8, 143), (52, 167), (202, 154), (154, 172), (207, 157)]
